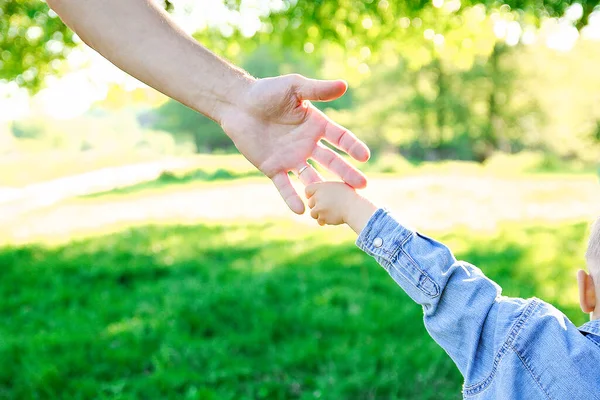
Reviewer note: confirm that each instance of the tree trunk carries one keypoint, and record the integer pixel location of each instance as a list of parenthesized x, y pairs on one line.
[(495, 137), (200, 147), (424, 140), (440, 103)]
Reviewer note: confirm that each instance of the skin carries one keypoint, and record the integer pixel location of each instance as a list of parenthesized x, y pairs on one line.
[(335, 203), (271, 121), (587, 294)]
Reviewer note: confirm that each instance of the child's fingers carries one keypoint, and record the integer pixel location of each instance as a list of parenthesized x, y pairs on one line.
[(321, 221), (314, 213), (311, 202), (311, 189)]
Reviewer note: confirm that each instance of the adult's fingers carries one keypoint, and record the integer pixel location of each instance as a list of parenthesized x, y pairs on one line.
[(319, 90), (345, 140), (308, 175), (336, 164), (287, 191)]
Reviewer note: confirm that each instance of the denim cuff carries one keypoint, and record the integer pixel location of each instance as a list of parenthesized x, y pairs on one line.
[(383, 236)]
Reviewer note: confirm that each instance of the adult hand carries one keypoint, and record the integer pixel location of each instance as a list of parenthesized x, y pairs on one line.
[(274, 125), (269, 120)]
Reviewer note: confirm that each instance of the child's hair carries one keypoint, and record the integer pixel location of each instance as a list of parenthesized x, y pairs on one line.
[(592, 255)]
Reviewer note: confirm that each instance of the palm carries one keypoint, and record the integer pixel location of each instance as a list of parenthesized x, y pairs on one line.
[(278, 131)]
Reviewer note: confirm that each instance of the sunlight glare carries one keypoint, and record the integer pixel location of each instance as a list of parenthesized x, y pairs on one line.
[(592, 30), (14, 102), (69, 96), (574, 12), (562, 36)]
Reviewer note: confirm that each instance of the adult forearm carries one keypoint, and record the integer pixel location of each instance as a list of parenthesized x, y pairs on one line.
[(141, 39)]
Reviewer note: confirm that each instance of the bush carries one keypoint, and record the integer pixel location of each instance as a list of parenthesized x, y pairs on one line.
[(390, 163), (525, 161), (534, 162)]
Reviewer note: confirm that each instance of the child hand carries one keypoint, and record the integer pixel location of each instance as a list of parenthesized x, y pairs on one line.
[(329, 201), (335, 203)]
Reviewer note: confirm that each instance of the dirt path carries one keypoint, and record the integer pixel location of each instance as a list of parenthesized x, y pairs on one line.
[(15, 201), (426, 202)]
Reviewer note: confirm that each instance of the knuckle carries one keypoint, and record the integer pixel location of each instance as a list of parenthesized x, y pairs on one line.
[(342, 137)]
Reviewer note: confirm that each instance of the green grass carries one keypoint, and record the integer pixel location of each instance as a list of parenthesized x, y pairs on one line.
[(205, 169), (176, 180), (31, 167), (232, 311)]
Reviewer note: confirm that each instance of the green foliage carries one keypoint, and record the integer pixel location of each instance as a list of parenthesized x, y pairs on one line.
[(374, 32), (429, 83), (243, 312), (357, 23), (28, 129), (95, 130), (559, 83), (389, 163), (33, 41), (181, 121), (520, 98), (441, 112), (268, 60), (48, 133)]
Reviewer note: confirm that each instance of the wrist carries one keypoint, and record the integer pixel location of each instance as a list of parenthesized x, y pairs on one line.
[(233, 97), (237, 92), (358, 212)]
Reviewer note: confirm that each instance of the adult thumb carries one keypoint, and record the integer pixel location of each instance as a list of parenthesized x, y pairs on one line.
[(320, 90)]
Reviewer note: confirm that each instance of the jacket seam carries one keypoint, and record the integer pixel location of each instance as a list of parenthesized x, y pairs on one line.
[(535, 378), (396, 249), (436, 288), (593, 341), (477, 388)]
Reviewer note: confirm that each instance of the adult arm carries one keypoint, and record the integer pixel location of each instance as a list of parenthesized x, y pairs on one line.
[(267, 119), (141, 39)]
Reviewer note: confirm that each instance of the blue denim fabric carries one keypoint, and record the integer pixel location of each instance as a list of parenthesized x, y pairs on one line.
[(505, 348)]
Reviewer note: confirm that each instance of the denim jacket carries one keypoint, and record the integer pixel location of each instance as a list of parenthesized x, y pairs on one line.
[(505, 348)]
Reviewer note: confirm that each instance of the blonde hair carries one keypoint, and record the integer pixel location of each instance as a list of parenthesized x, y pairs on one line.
[(592, 255)]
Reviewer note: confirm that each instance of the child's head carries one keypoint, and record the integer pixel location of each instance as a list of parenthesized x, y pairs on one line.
[(589, 284)]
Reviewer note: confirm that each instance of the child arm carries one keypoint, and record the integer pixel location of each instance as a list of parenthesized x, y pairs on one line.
[(464, 311)]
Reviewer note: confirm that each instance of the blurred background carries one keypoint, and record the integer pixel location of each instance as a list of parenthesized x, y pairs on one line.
[(142, 257)]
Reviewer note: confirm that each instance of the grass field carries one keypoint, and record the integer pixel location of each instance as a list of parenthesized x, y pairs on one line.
[(191, 308), (236, 311), (30, 168)]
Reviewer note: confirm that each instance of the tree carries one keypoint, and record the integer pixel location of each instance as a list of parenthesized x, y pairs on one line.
[(33, 40), (28, 129), (183, 122)]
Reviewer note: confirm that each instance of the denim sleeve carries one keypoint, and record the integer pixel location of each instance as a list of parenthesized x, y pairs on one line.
[(463, 310)]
